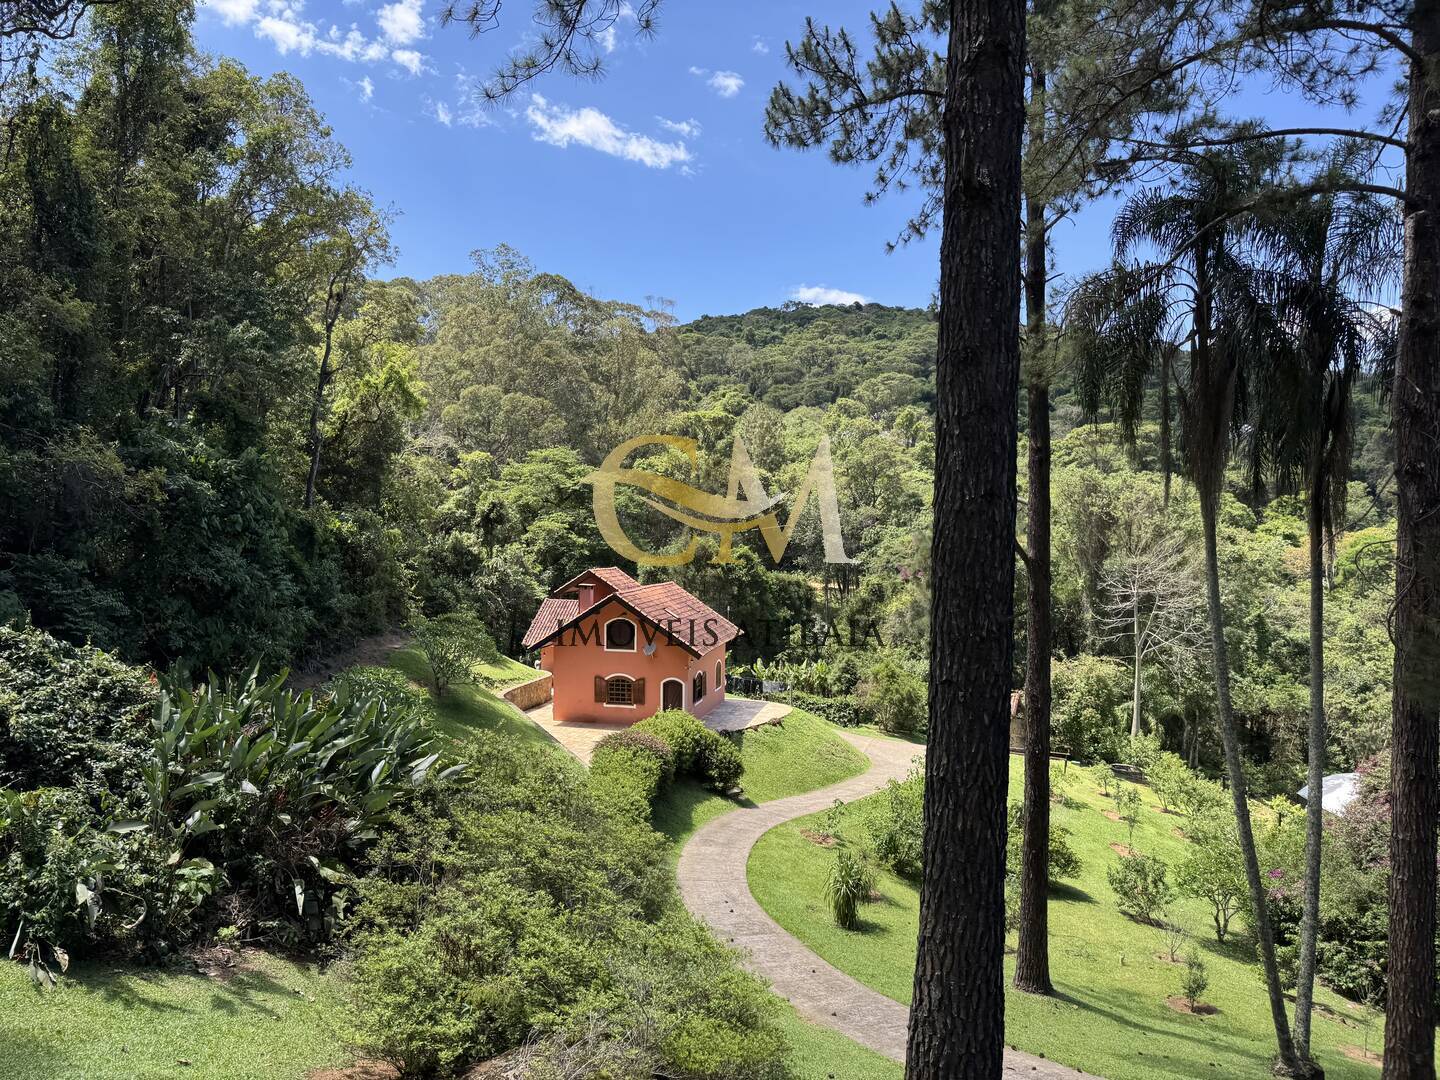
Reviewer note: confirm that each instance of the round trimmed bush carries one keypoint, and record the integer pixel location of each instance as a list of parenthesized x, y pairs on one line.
[(683, 733)]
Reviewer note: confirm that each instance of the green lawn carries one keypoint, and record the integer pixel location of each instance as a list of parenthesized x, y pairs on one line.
[(799, 754), (1110, 1015), (271, 1019), (467, 708), (817, 1053), (506, 672)]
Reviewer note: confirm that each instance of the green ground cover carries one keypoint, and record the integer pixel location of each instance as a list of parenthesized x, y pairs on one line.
[(267, 1019), (467, 708), (1110, 1016), (799, 754)]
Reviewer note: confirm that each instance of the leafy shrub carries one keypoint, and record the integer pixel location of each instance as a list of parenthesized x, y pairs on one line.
[(1142, 750), (625, 779), (677, 988), (1089, 693), (1193, 981), (386, 685), (645, 743), (682, 732), (1169, 778), (453, 644), (895, 696), (846, 710), (1214, 869), (895, 823), (1128, 805), (70, 716), (1064, 862), (468, 981), (847, 886), (720, 762), (512, 909), (1141, 884)]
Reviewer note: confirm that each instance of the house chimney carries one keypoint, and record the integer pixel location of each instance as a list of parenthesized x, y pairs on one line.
[(586, 596)]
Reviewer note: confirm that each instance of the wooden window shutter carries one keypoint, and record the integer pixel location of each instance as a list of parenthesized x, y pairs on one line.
[(599, 688), (639, 691)]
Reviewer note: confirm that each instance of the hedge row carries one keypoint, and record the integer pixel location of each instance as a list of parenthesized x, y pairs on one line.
[(629, 769)]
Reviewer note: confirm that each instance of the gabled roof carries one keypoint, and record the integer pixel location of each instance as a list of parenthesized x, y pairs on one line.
[(553, 613), (685, 620), (613, 576)]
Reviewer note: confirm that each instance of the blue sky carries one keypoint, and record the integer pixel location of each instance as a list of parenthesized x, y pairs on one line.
[(655, 181)]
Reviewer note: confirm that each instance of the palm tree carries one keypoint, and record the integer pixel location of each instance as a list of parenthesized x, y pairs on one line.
[(1203, 293), (1322, 258)]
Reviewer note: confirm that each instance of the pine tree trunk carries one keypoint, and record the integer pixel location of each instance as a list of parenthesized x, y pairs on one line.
[(1209, 501), (957, 1018), (1310, 921), (1032, 959), (1410, 1015)]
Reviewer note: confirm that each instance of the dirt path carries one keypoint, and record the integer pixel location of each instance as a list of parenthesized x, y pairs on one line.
[(713, 884), (370, 651)]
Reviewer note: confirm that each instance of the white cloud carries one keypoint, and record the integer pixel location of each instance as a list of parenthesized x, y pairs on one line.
[(606, 38), (283, 26), (725, 83), (234, 12), (561, 126), (689, 129), (288, 36), (759, 46), (401, 22), (823, 294), (441, 111), (409, 59), (367, 88)]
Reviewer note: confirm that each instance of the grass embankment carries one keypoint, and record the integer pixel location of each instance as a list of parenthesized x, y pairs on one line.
[(799, 754), (467, 708), (1112, 978), (270, 1019)]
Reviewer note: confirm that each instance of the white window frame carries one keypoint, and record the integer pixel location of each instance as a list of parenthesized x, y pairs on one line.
[(605, 634), (700, 671), (719, 673), (670, 679), (619, 675)]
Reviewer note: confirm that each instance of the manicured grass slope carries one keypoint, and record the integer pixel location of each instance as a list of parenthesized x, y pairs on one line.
[(799, 754), (1110, 1016), (466, 708), (271, 1020)]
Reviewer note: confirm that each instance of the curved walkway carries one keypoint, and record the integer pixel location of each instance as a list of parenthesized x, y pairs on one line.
[(714, 887)]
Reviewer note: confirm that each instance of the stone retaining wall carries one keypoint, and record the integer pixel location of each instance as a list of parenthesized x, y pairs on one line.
[(531, 694)]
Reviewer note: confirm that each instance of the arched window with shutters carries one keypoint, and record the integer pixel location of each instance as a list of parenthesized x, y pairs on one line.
[(619, 691), (697, 687)]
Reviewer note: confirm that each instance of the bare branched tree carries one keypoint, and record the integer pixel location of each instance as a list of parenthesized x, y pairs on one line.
[(1154, 599)]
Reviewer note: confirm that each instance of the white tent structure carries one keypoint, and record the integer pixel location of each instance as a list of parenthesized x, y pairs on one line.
[(1337, 791)]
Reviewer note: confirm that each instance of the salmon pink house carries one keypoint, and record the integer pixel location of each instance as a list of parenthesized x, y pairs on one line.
[(621, 651)]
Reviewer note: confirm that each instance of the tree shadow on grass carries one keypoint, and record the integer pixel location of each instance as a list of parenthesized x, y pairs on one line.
[(1060, 890), (675, 814), (1207, 1040), (251, 990)]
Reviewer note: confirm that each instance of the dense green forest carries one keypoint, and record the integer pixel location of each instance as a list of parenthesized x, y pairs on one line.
[(188, 282), (233, 445)]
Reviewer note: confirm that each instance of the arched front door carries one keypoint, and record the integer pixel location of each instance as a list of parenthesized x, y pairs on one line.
[(672, 694)]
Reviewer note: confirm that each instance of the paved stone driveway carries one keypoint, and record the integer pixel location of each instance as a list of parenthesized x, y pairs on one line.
[(580, 736), (713, 885)]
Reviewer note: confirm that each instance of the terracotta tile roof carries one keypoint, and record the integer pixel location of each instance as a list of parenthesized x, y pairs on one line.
[(680, 614), (616, 578), (553, 614), (695, 625)]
